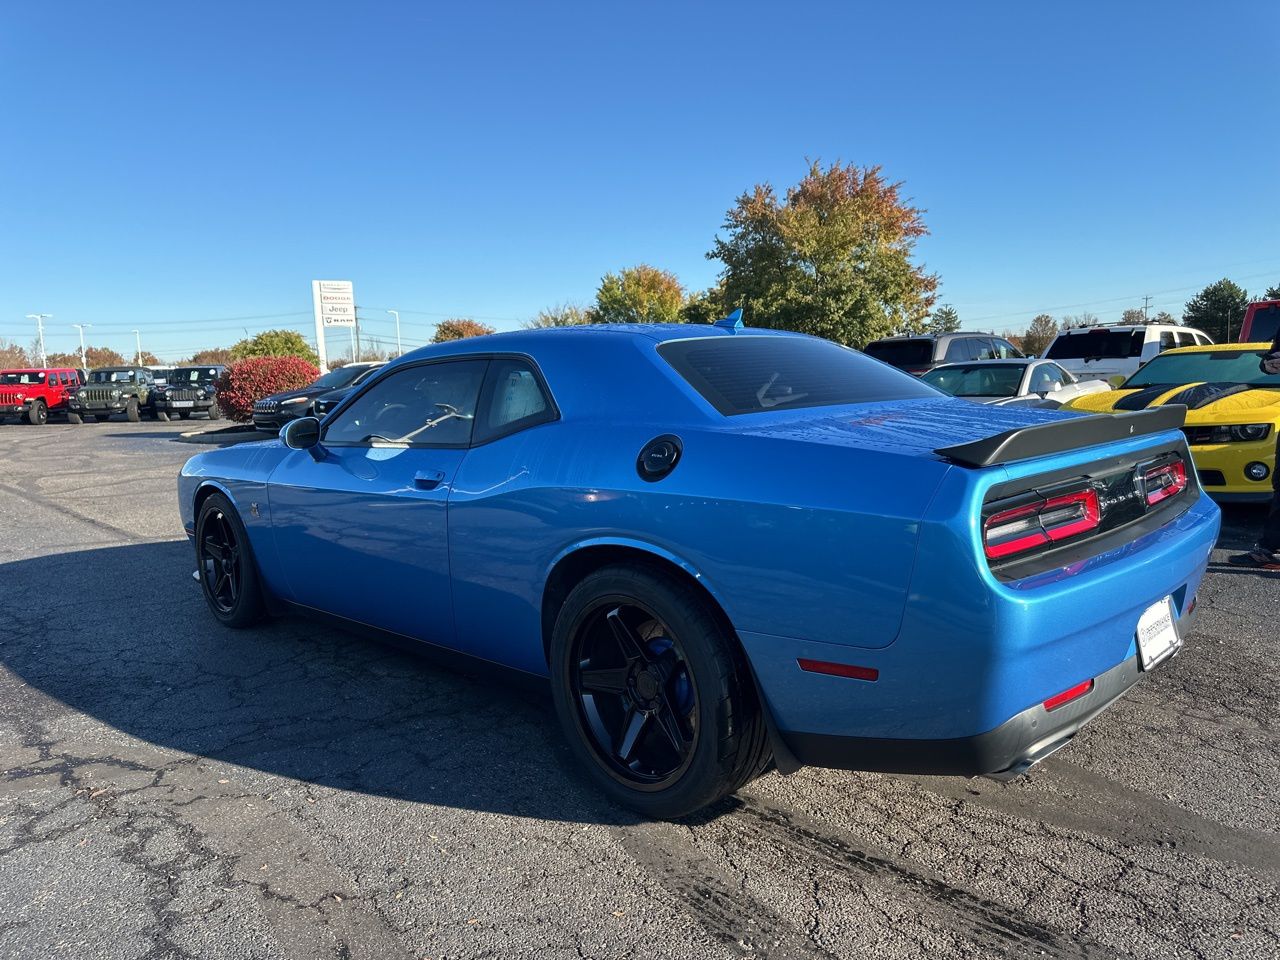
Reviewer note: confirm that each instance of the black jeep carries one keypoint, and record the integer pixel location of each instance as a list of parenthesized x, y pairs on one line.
[(189, 390)]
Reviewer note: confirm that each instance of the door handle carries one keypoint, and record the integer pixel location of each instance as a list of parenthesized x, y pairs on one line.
[(428, 479)]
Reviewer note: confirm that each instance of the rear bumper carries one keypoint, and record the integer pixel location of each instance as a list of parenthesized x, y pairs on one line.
[(1005, 752)]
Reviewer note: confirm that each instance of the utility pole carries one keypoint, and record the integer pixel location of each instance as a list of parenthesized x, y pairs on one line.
[(40, 318), (399, 348), (137, 338), (1146, 302), (357, 333), (84, 364)]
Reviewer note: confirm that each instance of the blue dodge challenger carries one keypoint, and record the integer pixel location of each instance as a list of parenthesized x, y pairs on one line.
[(726, 549)]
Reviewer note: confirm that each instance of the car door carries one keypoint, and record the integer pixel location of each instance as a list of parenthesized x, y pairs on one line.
[(360, 520)]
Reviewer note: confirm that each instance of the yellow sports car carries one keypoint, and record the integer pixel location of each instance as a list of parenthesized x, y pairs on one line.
[(1233, 412)]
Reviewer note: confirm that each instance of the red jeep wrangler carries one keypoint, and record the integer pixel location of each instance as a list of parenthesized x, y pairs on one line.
[(36, 393)]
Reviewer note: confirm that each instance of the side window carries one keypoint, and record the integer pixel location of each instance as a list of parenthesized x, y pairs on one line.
[(983, 349), (1064, 375), (1184, 338), (958, 351), (1046, 378), (1167, 342), (428, 405), (1006, 350), (513, 400)]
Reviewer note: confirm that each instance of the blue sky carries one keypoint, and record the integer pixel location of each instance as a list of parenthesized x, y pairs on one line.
[(176, 167)]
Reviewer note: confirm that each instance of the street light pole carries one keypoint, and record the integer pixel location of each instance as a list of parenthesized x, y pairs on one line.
[(40, 318), (399, 348), (84, 364), (137, 338)]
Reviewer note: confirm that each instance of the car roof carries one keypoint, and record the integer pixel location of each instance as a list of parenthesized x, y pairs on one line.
[(938, 336), (1128, 327), (995, 362), (1220, 347)]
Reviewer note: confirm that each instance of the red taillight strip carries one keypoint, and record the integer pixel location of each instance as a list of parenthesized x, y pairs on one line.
[(1066, 696), (1086, 516), (1176, 471), (838, 669)]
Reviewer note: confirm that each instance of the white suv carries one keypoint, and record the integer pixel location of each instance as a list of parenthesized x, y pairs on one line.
[(1118, 350)]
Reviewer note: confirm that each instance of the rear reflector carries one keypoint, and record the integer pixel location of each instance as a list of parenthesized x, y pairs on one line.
[(1047, 521), (839, 669), (1161, 483), (1066, 696)]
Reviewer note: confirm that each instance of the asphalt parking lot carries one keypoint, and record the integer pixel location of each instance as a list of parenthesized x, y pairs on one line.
[(171, 789)]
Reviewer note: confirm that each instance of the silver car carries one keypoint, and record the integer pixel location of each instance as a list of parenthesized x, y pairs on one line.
[(1029, 382)]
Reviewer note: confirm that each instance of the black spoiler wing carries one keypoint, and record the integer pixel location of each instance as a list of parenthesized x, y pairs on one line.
[(1043, 439)]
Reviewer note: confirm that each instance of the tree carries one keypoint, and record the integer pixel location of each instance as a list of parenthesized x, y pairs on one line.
[(1273, 293), (1164, 316), (247, 381), (561, 315), (1039, 335), (1085, 319), (211, 357), (944, 320), (12, 355), (64, 360), (460, 328), (706, 306), (97, 357), (1133, 315), (1218, 309), (275, 343), (641, 294), (150, 359), (832, 258)]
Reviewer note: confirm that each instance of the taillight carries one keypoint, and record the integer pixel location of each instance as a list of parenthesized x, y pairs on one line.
[(1046, 521), (1165, 481)]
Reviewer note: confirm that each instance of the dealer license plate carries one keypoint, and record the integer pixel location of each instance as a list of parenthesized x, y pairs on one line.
[(183, 403), (1158, 634)]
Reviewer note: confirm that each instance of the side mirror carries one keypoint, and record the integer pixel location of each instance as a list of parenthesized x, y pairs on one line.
[(302, 434)]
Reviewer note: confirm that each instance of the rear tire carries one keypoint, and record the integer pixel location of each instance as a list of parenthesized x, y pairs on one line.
[(615, 708), (38, 414), (224, 559), (131, 412)]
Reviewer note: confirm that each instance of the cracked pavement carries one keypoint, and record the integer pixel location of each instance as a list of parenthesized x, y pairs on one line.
[(172, 789)]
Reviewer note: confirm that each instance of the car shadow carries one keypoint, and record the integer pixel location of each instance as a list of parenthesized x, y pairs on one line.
[(291, 698)]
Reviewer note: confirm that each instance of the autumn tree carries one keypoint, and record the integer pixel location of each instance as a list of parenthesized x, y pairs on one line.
[(150, 359), (12, 355), (1134, 315), (944, 320), (97, 357), (561, 315), (1039, 335), (1218, 309), (212, 357), (833, 257), (1085, 319), (1164, 316), (274, 343), (459, 328), (64, 360), (641, 294)]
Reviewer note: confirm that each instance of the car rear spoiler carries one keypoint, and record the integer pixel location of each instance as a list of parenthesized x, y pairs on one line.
[(1058, 436)]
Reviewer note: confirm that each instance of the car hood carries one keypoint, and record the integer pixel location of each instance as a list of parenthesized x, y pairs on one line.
[(912, 427), (308, 393), (1206, 403), (336, 394)]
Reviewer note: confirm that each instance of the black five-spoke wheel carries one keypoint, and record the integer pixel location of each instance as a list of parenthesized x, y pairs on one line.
[(224, 561), (652, 691), (635, 694)]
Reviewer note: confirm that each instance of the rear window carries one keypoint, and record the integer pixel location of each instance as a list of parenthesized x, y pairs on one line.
[(1097, 344), (1266, 323), (902, 353), (753, 374)]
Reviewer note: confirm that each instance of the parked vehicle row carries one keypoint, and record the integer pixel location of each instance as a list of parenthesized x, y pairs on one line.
[(133, 392), (316, 399)]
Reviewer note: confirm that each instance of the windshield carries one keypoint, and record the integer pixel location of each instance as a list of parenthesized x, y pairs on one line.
[(111, 376), (22, 377), (747, 374), (193, 375), (1219, 366), (902, 353), (977, 379), (1097, 344), (342, 377)]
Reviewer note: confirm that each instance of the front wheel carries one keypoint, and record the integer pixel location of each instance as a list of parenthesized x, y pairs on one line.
[(215, 411), (652, 693), (75, 418), (131, 412), (38, 414), (162, 416), (228, 573)]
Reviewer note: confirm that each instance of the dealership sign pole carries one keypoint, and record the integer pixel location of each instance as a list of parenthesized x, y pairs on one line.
[(335, 306)]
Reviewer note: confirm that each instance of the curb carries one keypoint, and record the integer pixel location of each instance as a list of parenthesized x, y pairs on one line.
[(223, 437)]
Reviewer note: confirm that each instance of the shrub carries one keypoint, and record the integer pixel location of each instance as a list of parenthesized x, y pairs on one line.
[(245, 383)]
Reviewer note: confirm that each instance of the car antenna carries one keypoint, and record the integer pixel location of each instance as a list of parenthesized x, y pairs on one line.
[(733, 322)]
